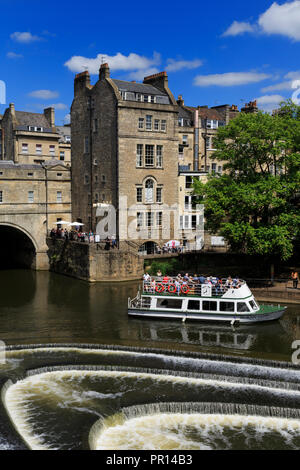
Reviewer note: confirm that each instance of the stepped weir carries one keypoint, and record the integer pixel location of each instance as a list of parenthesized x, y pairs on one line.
[(72, 396)]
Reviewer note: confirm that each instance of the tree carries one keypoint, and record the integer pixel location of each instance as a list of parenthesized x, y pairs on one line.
[(254, 205)]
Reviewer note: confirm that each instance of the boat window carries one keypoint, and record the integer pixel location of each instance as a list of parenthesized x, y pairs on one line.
[(169, 303), (242, 307), (146, 301), (253, 305), (227, 306), (194, 305), (209, 305)]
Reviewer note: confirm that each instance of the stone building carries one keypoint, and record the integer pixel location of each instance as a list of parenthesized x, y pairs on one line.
[(135, 147), (125, 153), (33, 198), (197, 129), (64, 144), (35, 185)]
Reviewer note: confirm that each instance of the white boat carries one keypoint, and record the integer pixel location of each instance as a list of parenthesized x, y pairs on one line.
[(219, 300)]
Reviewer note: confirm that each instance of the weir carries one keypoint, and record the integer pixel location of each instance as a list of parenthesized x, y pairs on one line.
[(249, 383)]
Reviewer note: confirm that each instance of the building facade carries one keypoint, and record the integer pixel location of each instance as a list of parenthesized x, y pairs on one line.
[(136, 148), (35, 183), (33, 198), (124, 153)]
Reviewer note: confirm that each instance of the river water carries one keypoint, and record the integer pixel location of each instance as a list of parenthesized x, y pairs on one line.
[(85, 375)]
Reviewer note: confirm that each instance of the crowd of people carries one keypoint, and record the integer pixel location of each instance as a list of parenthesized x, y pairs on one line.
[(84, 237), (188, 283)]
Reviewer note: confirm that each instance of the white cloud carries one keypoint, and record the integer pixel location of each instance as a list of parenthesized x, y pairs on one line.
[(132, 62), (269, 99), (24, 37), (278, 19), (293, 75), (278, 87), (13, 55), (44, 94), (284, 85), (141, 74), (230, 79), (174, 65), (59, 106), (67, 118), (282, 19), (268, 103), (239, 27)]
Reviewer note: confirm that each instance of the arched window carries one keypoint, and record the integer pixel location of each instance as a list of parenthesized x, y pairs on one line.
[(149, 191)]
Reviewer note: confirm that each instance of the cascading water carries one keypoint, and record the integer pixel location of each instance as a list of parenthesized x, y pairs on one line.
[(87, 396)]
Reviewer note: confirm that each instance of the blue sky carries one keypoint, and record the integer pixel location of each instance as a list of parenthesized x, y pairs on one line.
[(214, 52)]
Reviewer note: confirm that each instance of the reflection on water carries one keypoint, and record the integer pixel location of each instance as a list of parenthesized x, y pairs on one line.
[(47, 308), (143, 362)]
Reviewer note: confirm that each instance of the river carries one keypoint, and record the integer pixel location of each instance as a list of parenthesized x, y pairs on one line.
[(85, 375)]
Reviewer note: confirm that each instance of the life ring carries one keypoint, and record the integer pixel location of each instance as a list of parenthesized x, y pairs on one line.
[(185, 289), (172, 288), (160, 288)]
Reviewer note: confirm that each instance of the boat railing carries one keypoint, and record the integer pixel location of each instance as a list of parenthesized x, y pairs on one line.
[(211, 287)]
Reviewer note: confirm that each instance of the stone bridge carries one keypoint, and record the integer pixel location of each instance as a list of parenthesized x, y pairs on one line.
[(23, 241)]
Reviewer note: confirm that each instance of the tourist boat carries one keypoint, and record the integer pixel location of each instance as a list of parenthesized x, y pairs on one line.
[(214, 300)]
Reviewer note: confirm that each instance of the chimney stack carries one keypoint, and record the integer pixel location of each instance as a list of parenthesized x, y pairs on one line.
[(104, 72), (180, 101), (50, 116), (12, 109), (82, 80), (159, 80)]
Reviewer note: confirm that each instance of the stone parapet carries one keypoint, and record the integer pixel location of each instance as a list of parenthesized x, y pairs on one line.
[(92, 263)]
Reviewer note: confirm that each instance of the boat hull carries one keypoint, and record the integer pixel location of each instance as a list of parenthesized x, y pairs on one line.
[(210, 317)]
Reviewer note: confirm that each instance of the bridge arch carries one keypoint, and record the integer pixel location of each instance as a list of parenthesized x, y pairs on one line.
[(149, 247), (18, 248)]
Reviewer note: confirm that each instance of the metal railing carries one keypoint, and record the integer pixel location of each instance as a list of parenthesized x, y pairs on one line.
[(205, 287)]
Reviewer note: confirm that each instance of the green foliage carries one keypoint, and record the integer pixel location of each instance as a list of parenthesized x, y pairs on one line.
[(165, 267), (255, 204)]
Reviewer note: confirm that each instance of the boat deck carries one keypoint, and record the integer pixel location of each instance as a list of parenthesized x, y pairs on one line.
[(212, 287)]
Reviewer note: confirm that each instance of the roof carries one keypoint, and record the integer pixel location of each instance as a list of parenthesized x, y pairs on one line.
[(33, 166), (206, 113), (32, 119), (11, 164), (139, 88), (64, 130), (184, 113)]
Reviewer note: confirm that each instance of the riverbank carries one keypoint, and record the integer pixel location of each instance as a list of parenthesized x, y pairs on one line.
[(277, 293)]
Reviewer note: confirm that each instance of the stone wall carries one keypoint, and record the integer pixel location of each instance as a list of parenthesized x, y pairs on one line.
[(92, 263)]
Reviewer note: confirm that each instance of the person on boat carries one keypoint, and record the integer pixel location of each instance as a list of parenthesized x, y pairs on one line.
[(202, 279), (147, 280), (177, 285), (165, 279), (152, 285), (295, 279), (229, 282), (215, 284), (186, 277)]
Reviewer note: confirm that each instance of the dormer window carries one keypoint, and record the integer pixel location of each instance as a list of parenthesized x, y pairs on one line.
[(35, 129), (145, 98)]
